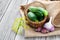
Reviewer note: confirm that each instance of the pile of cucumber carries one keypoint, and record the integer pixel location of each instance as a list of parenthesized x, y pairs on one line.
[(36, 14)]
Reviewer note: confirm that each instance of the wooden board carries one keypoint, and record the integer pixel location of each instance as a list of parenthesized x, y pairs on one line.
[(31, 33)]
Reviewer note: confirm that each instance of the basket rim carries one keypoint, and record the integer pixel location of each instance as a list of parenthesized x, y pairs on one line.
[(26, 9), (37, 22)]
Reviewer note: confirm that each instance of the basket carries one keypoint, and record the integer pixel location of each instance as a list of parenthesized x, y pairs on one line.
[(31, 23)]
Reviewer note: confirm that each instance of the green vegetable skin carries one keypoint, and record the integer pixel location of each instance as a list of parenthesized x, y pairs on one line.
[(39, 15), (32, 16), (35, 9), (45, 12)]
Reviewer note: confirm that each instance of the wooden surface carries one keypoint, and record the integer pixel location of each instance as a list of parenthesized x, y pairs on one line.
[(4, 4), (9, 10)]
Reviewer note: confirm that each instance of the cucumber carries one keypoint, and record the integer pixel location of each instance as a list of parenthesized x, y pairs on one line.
[(45, 12), (41, 18), (32, 16), (39, 15), (35, 9)]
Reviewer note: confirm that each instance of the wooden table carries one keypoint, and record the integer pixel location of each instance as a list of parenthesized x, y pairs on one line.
[(9, 10)]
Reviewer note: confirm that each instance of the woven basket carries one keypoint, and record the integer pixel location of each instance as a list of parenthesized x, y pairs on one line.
[(31, 23)]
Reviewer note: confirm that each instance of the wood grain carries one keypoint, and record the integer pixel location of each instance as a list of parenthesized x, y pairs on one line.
[(4, 4), (8, 19), (6, 23)]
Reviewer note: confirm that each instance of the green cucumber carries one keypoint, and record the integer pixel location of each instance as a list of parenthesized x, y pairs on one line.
[(40, 19), (39, 15), (45, 12), (35, 9), (32, 16)]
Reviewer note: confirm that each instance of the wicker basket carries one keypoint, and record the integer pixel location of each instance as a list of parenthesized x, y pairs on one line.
[(31, 23)]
